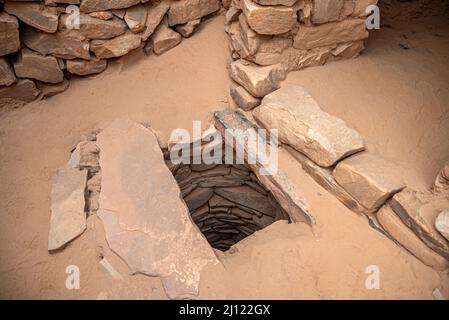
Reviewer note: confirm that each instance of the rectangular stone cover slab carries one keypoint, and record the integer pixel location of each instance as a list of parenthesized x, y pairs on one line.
[(302, 124), (146, 221)]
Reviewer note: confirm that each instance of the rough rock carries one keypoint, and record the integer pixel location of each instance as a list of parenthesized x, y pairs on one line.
[(243, 98), (232, 15), (146, 222), (103, 15), (136, 17), (68, 44), (34, 14), (403, 235), (360, 7), (258, 81), (7, 76), (370, 179), (49, 90), (68, 219), (302, 125), (164, 39), (441, 184), (183, 11), (419, 212), (35, 66), (85, 67), (116, 47), (309, 37), (23, 90), (187, 29), (269, 20), (101, 5), (93, 28), (442, 223), (156, 12), (326, 10), (9, 34), (198, 198)]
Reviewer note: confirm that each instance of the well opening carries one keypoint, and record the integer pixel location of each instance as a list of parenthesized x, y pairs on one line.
[(226, 201)]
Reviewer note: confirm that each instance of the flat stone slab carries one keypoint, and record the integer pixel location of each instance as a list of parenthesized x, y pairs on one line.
[(68, 219), (183, 11), (116, 47), (34, 14), (9, 34), (302, 124), (408, 239), (370, 179), (146, 221), (419, 212)]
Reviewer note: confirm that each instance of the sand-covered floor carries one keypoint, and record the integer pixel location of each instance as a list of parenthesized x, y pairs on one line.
[(397, 99)]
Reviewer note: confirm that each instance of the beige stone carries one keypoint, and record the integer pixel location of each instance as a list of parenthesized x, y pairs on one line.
[(116, 47), (7, 76), (156, 12), (167, 245), (257, 80), (49, 90), (309, 37), (442, 223), (441, 184), (34, 14), (23, 90), (35, 66), (326, 10), (164, 39), (68, 44), (183, 11), (419, 211), (369, 178), (136, 17), (186, 30), (243, 98), (302, 125), (9, 34), (360, 7), (269, 19), (85, 67), (93, 28), (287, 3), (404, 236), (101, 5), (68, 219), (103, 15)]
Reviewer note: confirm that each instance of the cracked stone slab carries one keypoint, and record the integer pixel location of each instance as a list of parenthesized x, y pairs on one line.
[(145, 219)]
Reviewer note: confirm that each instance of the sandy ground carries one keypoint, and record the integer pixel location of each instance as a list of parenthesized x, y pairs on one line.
[(397, 99)]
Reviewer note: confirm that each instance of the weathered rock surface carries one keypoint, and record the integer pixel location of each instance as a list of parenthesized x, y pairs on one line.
[(23, 90), (68, 44), (269, 19), (441, 184), (136, 17), (103, 15), (101, 5), (68, 219), (34, 14), (302, 125), (156, 12), (116, 47), (164, 39), (402, 234), (9, 34), (84, 67), (326, 10), (243, 98), (258, 81), (442, 223), (146, 222), (419, 212), (183, 11), (49, 90), (330, 33), (7, 76), (36, 66), (287, 3), (369, 179), (93, 28), (187, 29)]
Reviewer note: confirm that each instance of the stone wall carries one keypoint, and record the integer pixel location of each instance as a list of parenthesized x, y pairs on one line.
[(41, 46)]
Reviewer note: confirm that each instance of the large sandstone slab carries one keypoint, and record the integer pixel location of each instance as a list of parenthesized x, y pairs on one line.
[(243, 98), (35, 66), (68, 44), (156, 12), (369, 179), (183, 11), (146, 221), (326, 10), (116, 47), (257, 80), (9, 34), (404, 236), (93, 28), (136, 17), (330, 33), (164, 39), (101, 5), (302, 124), (85, 67), (269, 20), (419, 212), (7, 76), (23, 90), (34, 14), (68, 219)]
